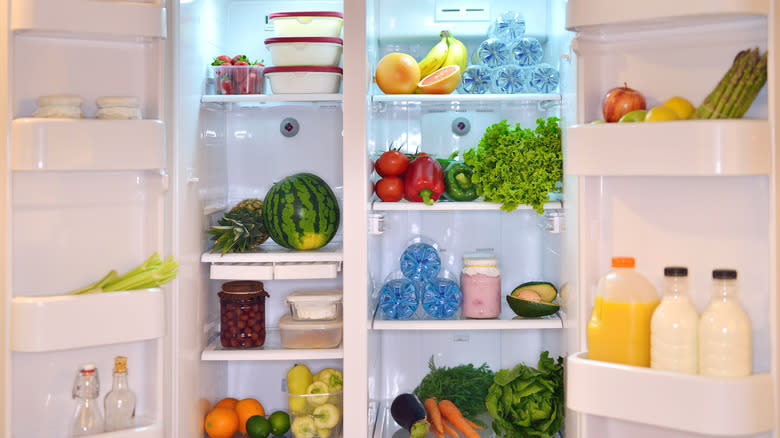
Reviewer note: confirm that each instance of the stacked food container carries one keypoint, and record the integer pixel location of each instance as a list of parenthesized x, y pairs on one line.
[(306, 52), (314, 320)]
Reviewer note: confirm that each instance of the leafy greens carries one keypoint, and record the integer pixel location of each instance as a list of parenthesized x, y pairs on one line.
[(527, 402), (464, 385), (516, 166)]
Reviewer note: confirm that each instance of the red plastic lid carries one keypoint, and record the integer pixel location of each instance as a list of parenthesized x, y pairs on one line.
[(623, 262), (306, 14), (275, 40), (304, 68)]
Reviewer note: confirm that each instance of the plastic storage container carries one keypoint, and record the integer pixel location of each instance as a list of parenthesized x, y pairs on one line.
[(286, 51), (314, 305), (307, 23), (323, 411), (309, 334), (619, 328), (238, 79), (242, 314), (307, 79)]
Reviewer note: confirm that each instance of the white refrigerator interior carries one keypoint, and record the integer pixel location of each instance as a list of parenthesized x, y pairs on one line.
[(84, 196)]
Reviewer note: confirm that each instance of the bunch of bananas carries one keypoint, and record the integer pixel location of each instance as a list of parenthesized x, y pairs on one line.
[(448, 51)]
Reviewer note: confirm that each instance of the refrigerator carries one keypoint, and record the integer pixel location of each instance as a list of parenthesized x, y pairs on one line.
[(82, 197)]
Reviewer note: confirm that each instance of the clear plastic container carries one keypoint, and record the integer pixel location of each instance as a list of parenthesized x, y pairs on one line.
[(287, 51), (315, 305), (242, 314), (619, 328), (307, 23), (308, 79), (309, 334), (320, 414), (237, 79)]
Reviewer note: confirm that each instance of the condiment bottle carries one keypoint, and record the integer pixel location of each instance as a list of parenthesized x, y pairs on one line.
[(480, 282), (674, 326), (120, 401), (619, 328), (725, 333), (87, 418)]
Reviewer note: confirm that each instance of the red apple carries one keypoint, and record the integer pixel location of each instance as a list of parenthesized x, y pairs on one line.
[(621, 100)]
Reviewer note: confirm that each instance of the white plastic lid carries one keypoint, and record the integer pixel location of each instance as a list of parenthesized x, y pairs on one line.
[(286, 322), (325, 296), (480, 259)]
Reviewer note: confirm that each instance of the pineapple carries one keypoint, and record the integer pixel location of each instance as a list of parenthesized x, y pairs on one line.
[(241, 228)]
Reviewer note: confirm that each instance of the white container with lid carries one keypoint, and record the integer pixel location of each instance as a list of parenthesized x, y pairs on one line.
[(304, 79), (309, 334), (307, 23), (314, 305), (305, 50)]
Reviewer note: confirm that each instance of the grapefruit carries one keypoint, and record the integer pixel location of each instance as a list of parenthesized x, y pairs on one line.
[(443, 81), (397, 73)]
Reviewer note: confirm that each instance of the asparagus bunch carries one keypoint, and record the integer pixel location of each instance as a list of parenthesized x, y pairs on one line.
[(736, 91), (151, 273)]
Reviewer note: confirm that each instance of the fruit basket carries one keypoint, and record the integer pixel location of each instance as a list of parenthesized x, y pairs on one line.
[(316, 415), (237, 79)]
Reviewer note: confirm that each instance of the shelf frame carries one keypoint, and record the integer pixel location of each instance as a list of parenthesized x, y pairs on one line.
[(272, 350)]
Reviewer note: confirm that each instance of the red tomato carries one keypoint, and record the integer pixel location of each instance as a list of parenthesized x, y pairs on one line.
[(391, 163), (390, 188)]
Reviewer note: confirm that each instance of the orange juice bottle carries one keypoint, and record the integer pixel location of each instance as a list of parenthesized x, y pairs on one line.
[(619, 328)]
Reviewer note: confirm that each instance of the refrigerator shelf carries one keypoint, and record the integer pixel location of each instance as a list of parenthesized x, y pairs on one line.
[(272, 350), (87, 144), (450, 206), (264, 98), (703, 405), (470, 324), (271, 253), (423, 98), (62, 322), (677, 148), (89, 18), (275, 270), (584, 14)]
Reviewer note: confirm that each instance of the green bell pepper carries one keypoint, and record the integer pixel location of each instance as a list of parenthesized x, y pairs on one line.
[(458, 182)]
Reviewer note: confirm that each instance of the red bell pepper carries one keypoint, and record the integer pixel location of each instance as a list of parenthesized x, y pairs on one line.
[(424, 180)]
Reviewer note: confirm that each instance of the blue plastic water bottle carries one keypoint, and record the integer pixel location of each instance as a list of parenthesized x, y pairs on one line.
[(420, 262), (544, 78), (494, 52), (475, 80), (441, 298), (509, 26), (398, 299), (526, 51), (510, 79)]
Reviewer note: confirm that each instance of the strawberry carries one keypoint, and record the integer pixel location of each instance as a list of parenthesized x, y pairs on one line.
[(240, 58), (222, 59), (252, 87), (240, 71), (226, 85)]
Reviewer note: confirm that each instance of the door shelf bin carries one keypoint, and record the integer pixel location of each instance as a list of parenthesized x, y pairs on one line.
[(64, 322), (144, 430), (87, 144), (705, 405), (677, 148)]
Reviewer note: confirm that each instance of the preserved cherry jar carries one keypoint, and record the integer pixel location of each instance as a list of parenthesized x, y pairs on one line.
[(242, 314)]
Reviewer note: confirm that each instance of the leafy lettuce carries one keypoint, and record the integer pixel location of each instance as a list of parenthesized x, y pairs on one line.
[(516, 166), (527, 402)]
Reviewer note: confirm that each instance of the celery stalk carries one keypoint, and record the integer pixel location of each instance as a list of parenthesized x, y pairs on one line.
[(96, 286)]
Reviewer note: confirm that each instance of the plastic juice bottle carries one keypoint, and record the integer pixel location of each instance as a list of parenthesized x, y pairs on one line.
[(674, 326), (619, 328), (725, 333)]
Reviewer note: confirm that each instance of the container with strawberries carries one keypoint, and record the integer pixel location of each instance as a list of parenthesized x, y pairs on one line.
[(237, 75)]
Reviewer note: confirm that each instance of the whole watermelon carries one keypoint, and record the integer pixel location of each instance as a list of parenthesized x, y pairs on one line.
[(301, 212)]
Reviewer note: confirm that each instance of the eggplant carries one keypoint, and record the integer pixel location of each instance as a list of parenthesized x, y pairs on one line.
[(409, 412)]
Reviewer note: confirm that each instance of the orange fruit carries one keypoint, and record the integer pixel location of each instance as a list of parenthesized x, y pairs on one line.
[(397, 73), (443, 81), (221, 423), (227, 402), (245, 409)]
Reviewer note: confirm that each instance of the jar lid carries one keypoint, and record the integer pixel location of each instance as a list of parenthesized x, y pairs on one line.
[(276, 40), (480, 259), (314, 296), (306, 14), (242, 286)]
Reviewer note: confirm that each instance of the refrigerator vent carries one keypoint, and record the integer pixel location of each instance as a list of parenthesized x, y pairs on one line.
[(462, 10)]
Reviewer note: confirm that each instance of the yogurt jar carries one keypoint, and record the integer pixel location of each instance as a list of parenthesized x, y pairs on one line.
[(480, 282)]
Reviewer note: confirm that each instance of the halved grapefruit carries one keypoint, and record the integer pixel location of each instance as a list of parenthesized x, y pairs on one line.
[(443, 81)]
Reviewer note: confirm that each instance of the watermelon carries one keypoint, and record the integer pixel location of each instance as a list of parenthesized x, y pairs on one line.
[(301, 212)]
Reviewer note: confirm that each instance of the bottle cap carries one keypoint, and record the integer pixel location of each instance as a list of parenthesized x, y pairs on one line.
[(724, 274), (88, 369), (675, 271), (120, 364), (623, 262)]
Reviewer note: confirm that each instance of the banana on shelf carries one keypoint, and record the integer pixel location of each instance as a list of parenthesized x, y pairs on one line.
[(448, 51)]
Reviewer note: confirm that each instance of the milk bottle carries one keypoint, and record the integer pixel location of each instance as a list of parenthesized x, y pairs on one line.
[(674, 326)]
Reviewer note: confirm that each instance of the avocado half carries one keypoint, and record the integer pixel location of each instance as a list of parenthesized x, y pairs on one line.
[(533, 299)]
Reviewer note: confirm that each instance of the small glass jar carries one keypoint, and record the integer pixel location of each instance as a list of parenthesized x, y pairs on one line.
[(242, 314), (480, 282)]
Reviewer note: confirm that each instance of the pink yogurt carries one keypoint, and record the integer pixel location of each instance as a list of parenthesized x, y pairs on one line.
[(481, 295)]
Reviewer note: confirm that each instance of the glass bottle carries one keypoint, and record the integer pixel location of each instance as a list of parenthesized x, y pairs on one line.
[(674, 326), (87, 418), (725, 333), (120, 401)]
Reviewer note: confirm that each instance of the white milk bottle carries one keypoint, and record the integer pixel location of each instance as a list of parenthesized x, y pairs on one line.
[(674, 326), (725, 334)]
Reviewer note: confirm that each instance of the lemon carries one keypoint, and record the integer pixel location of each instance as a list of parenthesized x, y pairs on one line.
[(681, 106), (660, 114)]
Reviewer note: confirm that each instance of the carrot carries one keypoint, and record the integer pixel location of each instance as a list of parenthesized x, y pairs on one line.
[(433, 414), (475, 426), (452, 413), (449, 430)]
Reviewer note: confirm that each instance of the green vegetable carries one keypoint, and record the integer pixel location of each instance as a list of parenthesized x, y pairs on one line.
[(516, 166), (151, 273), (737, 89), (528, 402), (445, 162), (458, 182), (465, 385)]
